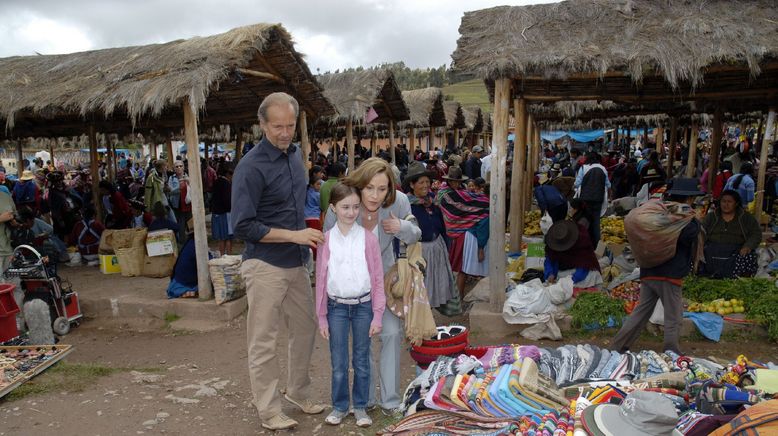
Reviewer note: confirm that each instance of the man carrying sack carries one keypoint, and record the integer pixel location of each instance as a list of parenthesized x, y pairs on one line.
[(662, 272)]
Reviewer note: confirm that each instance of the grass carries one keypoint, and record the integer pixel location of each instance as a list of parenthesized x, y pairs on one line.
[(469, 93), (170, 318), (68, 377)]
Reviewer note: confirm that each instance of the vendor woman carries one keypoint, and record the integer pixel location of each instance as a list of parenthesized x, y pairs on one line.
[(731, 238), (569, 251)]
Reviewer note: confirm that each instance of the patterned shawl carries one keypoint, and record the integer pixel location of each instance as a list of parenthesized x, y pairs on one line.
[(461, 209)]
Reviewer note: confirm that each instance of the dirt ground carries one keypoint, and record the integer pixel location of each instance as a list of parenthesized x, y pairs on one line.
[(179, 382)]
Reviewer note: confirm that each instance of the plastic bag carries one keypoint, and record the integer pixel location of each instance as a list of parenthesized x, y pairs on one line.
[(528, 303), (545, 223), (653, 230), (227, 282)]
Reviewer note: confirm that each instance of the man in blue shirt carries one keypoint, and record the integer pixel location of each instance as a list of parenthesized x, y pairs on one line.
[(268, 200)]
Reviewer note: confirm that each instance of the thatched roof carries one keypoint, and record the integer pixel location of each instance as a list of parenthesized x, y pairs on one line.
[(626, 50), (224, 77), (425, 106), (474, 120), (455, 119), (354, 92)]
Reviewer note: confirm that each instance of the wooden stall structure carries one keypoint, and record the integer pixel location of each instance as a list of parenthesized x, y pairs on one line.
[(474, 124), (192, 84), (518, 52), (354, 94), (455, 121), (426, 111)]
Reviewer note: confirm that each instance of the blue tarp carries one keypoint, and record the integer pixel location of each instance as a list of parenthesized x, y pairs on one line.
[(182, 148), (578, 136)]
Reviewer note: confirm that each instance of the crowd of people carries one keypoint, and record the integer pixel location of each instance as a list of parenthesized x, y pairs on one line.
[(52, 208)]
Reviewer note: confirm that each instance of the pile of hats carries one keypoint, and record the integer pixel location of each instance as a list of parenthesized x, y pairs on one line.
[(449, 341), (515, 389)]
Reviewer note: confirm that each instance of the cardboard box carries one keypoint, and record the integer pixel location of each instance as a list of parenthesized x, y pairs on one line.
[(161, 243), (109, 264)]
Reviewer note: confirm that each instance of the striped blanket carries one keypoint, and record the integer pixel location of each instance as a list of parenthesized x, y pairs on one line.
[(461, 209)]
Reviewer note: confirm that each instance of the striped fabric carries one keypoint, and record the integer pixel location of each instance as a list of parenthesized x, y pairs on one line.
[(461, 209)]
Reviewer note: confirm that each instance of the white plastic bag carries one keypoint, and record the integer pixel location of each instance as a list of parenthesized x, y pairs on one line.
[(658, 317), (528, 303), (545, 223)]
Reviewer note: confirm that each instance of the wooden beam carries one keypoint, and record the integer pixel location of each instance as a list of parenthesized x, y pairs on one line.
[(305, 142), (373, 144), (170, 155), (691, 163), (529, 172), (671, 147), (760, 183), (502, 97), (238, 145), (198, 202), (412, 142), (51, 152), (350, 144), (94, 172), (660, 140), (456, 138), (19, 158), (715, 146), (260, 74), (392, 150), (516, 213)]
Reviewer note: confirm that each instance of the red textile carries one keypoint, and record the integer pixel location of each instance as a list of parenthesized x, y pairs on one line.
[(455, 252)]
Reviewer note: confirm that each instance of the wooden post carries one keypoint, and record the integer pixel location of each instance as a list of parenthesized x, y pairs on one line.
[(517, 177), (94, 172), (769, 133), (645, 135), (713, 161), (430, 138), (51, 152), (530, 171), (153, 149), (660, 135), (671, 148), (412, 142), (350, 144), (19, 158), (392, 149), (759, 134), (691, 164), (373, 144), (170, 156), (238, 145), (198, 202), (502, 98), (456, 138), (616, 136), (305, 142)]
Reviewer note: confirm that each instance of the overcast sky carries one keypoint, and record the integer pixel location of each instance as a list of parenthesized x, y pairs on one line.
[(333, 34)]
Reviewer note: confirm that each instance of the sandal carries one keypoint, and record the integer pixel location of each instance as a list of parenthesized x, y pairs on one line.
[(190, 294)]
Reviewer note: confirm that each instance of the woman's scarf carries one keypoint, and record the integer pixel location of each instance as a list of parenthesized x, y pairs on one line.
[(461, 209), (428, 201)]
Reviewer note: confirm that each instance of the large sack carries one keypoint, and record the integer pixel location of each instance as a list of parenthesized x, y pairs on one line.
[(227, 282), (653, 230), (159, 266), (131, 260), (112, 240)]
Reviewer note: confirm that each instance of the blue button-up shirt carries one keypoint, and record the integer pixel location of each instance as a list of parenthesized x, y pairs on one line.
[(268, 191)]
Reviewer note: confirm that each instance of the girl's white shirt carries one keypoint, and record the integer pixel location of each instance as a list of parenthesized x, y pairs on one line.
[(347, 273)]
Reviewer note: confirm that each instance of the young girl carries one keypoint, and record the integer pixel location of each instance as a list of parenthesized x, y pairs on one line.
[(349, 297)]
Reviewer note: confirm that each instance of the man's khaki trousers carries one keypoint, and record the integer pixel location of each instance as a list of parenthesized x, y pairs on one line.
[(278, 296)]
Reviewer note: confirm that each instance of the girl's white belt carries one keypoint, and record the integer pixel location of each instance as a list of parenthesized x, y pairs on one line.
[(351, 301)]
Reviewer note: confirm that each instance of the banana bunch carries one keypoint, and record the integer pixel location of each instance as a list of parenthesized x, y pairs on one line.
[(532, 223), (612, 230)]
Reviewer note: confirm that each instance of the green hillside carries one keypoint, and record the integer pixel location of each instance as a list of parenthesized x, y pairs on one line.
[(469, 93)]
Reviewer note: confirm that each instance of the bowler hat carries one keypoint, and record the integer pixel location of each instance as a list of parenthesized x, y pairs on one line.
[(416, 170), (562, 235), (685, 187), (455, 173)]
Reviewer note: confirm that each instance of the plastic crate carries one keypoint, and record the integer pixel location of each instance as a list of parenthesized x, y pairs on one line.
[(8, 304), (8, 328)]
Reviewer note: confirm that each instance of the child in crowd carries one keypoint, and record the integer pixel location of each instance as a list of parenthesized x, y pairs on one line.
[(477, 185), (312, 203), (349, 298)]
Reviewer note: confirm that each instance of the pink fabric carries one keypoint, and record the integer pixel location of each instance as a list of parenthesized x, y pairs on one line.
[(375, 269)]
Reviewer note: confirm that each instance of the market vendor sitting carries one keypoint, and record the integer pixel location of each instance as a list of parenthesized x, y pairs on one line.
[(86, 234), (183, 282), (731, 238), (39, 234), (569, 251)]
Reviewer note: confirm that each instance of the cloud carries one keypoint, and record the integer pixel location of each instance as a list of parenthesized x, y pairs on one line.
[(333, 34)]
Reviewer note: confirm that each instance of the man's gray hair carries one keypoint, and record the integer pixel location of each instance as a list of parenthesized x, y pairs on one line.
[(277, 99)]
